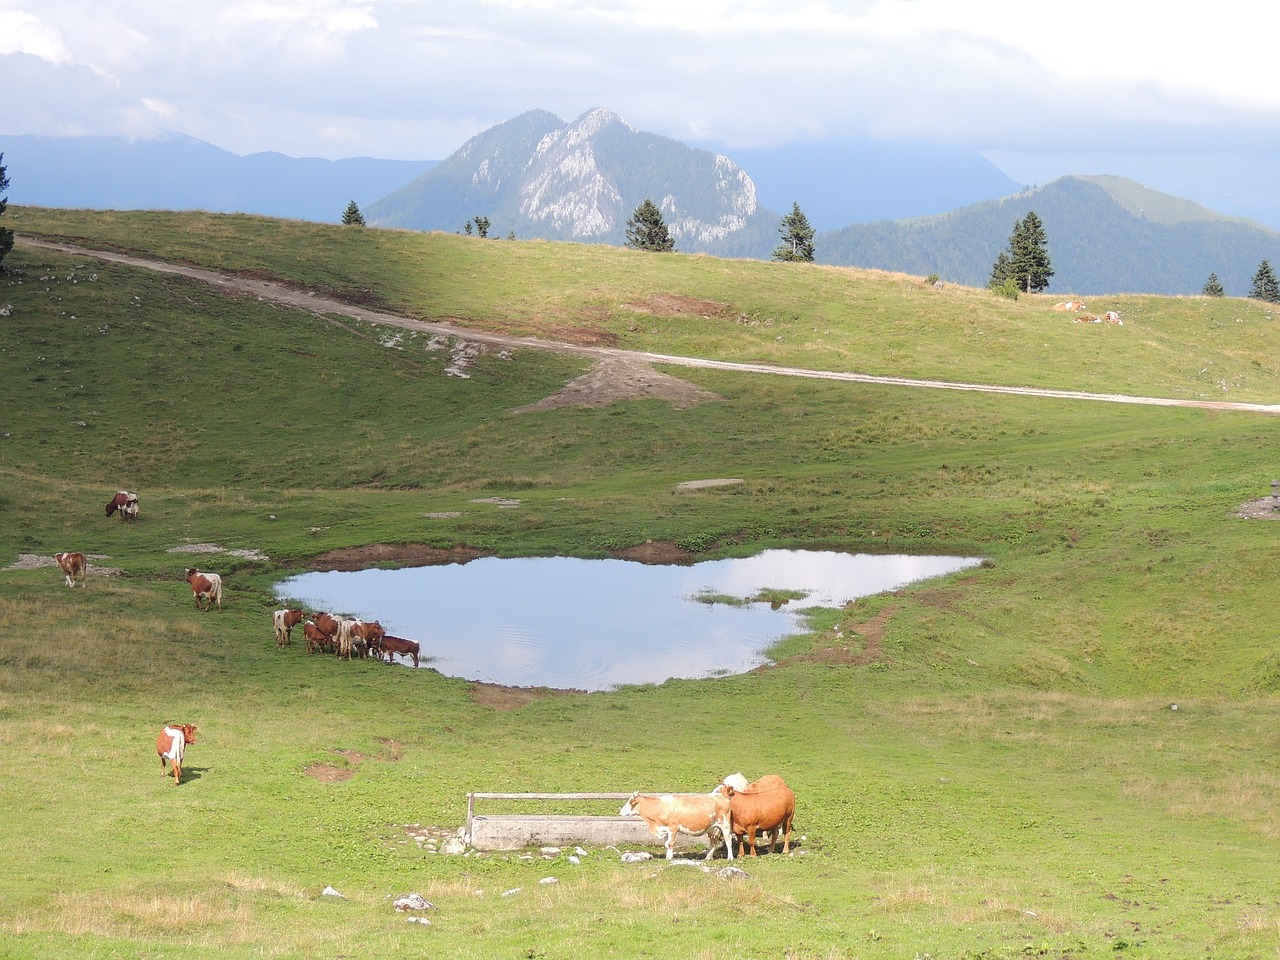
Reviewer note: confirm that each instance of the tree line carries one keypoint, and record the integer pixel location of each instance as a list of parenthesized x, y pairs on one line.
[(646, 230)]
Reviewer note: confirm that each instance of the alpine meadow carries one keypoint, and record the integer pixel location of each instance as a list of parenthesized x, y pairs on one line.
[(1069, 751)]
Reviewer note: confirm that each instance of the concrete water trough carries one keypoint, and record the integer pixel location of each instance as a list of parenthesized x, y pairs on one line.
[(486, 831)]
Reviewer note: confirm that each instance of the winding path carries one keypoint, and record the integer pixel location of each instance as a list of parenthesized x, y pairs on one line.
[(305, 300)]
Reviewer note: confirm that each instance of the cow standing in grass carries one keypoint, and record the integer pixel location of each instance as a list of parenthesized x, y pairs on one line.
[(172, 745), (126, 503), (767, 806), (285, 620), (74, 567), (207, 588)]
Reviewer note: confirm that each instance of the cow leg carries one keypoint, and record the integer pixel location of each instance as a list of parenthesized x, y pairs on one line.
[(164, 767), (177, 773), (670, 841), (751, 837), (786, 837)]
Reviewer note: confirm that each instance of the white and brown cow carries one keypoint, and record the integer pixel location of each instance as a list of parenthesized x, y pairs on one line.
[(285, 620), (126, 503), (356, 636), (74, 567), (695, 814), (207, 588), (171, 744)]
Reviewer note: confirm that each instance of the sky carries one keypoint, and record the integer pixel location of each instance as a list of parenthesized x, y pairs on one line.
[(1163, 93)]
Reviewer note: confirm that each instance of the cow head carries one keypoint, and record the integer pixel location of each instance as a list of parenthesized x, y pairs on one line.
[(628, 808)]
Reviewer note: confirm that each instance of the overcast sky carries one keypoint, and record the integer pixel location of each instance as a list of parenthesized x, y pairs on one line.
[(1041, 87)]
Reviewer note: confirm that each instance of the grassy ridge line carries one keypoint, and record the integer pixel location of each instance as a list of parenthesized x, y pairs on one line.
[(795, 315), (1007, 780)]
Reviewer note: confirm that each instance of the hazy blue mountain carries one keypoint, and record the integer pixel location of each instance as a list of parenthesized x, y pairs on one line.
[(538, 176), (860, 181), (182, 173), (1105, 235)]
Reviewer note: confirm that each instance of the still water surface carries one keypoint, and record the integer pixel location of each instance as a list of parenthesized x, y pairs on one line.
[(595, 624)]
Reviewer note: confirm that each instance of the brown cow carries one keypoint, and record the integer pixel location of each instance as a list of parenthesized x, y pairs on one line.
[(355, 636), (172, 744), (207, 587), (74, 567), (317, 639), (766, 806), (392, 645), (126, 503), (285, 620), (670, 814)]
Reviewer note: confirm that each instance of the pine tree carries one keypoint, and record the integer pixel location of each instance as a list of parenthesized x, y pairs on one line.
[(647, 231), (1213, 287), (352, 217), (6, 235), (797, 237), (1265, 285), (1026, 261), (482, 227)]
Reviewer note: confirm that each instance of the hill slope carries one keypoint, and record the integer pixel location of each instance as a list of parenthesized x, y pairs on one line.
[(1106, 235)]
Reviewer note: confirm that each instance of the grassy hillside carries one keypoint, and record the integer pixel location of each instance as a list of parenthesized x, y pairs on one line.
[(1004, 778)]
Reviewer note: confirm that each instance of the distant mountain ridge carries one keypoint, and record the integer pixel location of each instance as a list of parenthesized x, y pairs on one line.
[(1105, 235), (538, 176), (183, 173)]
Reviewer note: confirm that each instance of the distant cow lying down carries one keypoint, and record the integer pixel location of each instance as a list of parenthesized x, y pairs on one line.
[(74, 566), (392, 645), (172, 744), (670, 814)]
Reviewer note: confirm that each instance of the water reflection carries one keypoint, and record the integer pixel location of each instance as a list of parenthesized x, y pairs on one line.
[(595, 624)]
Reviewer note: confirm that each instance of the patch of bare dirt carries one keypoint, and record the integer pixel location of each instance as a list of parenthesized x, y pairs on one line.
[(616, 378), (34, 561), (654, 551), (402, 554), (328, 774), (501, 697), (678, 305), (843, 647), (1268, 508)]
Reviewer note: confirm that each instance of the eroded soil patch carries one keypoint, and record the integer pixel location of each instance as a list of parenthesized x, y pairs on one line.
[(501, 697), (616, 378)]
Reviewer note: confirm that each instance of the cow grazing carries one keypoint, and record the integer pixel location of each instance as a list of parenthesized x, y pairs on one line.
[(207, 588), (285, 620), (172, 744), (317, 639), (668, 815), (74, 567), (766, 806), (126, 503), (392, 645)]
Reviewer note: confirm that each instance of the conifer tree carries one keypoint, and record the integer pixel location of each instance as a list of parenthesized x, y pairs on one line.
[(1265, 286), (352, 217), (1026, 261), (1213, 287), (6, 235), (797, 237), (646, 229)]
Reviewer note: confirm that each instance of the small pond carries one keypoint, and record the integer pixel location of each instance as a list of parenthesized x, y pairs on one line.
[(596, 624)]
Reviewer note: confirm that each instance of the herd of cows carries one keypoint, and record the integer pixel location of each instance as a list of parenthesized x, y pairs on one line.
[(735, 811)]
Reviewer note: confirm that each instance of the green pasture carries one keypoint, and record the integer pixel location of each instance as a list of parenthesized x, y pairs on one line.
[(989, 765)]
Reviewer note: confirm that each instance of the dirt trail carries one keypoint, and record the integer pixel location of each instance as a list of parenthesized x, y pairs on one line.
[(627, 363)]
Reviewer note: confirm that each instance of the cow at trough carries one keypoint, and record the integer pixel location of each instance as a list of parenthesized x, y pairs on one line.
[(766, 806), (74, 567), (285, 620), (126, 503), (207, 588), (392, 645), (317, 640), (668, 815), (172, 744)]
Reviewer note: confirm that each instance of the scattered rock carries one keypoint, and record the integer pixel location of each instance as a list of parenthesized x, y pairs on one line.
[(413, 901), (453, 846), (512, 891), (330, 892), (547, 881), (732, 873), (636, 856), (422, 920)]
